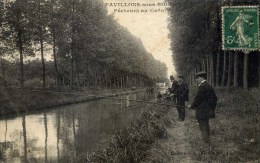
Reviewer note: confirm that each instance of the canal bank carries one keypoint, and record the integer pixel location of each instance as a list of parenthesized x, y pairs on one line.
[(16, 101), (63, 133), (159, 137)]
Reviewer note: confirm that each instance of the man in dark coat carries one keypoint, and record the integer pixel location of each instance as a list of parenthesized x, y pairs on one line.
[(204, 104), (182, 96), (173, 89)]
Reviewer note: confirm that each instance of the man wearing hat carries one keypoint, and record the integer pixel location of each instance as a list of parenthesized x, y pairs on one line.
[(182, 96), (204, 104), (173, 89)]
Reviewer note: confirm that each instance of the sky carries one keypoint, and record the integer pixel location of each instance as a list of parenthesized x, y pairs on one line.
[(149, 26)]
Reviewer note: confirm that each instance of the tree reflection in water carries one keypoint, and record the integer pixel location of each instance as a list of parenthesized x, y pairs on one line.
[(24, 139), (65, 133), (46, 137)]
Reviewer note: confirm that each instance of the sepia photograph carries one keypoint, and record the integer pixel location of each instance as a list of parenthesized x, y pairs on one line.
[(129, 81)]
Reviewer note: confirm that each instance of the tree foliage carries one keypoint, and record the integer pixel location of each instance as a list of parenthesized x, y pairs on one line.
[(195, 32), (91, 47)]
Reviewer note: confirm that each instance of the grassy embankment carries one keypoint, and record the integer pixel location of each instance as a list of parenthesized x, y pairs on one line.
[(131, 143), (16, 101), (235, 134)]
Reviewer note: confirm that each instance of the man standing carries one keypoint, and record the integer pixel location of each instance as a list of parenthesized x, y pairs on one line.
[(182, 96), (204, 104), (173, 89)]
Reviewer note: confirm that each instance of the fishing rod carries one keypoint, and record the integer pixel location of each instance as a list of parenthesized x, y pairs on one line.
[(149, 102), (113, 96)]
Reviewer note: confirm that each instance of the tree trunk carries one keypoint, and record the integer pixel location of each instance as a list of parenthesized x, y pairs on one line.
[(96, 80), (127, 81), (217, 69), (87, 76), (245, 74), (118, 81), (208, 70), (63, 80), (140, 81), (212, 70), (40, 30), (121, 82), (229, 69), (190, 79), (43, 63), (72, 43), (21, 57), (3, 72), (110, 81), (54, 48), (71, 73), (235, 70), (55, 62), (224, 69), (77, 69), (203, 67)]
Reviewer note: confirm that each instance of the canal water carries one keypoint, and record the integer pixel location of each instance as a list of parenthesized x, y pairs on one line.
[(62, 134)]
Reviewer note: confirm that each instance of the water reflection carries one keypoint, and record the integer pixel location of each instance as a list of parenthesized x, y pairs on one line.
[(24, 139), (58, 140), (62, 134), (46, 137)]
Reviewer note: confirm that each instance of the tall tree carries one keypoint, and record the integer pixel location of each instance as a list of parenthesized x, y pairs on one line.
[(223, 80), (235, 70), (230, 65), (17, 30), (245, 70), (39, 19)]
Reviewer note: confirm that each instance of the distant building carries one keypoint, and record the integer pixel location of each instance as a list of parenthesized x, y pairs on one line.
[(8, 1), (161, 85)]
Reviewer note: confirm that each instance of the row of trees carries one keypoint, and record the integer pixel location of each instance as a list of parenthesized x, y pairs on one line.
[(195, 30), (88, 47)]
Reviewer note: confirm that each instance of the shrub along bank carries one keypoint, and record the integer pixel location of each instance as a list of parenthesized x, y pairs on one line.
[(132, 143)]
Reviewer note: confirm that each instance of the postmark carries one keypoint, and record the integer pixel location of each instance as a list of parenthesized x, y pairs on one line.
[(240, 28)]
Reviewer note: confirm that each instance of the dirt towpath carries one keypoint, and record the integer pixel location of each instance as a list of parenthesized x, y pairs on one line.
[(177, 143), (176, 148)]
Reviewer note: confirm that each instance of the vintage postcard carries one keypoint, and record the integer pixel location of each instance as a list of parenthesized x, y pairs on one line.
[(129, 81)]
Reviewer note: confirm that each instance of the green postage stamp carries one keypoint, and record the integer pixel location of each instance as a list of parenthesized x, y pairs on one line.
[(240, 28)]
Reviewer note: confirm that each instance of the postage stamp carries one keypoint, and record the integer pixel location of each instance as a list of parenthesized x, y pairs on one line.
[(240, 28)]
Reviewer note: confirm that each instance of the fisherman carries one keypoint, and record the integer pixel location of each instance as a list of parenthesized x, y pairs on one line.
[(204, 104), (159, 95), (168, 94), (173, 89), (182, 97)]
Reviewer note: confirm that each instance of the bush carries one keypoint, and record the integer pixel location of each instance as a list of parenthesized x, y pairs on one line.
[(36, 82), (130, 145)]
